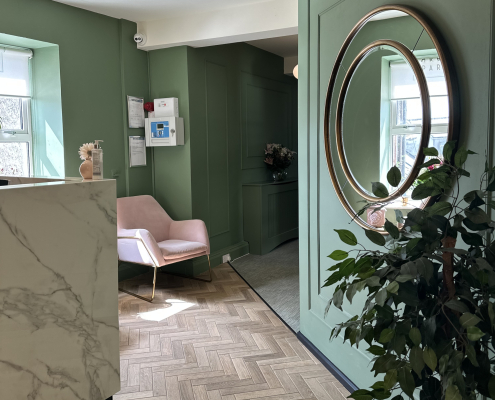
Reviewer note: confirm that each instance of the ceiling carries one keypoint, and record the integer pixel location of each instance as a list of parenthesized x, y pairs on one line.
[(285, 46), (150, 10)]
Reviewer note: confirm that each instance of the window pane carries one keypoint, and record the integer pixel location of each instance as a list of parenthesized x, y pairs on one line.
[(11, 113), (439, 110), (14, 73), (14, 158), (404, 151), (405, 148), (410, 111)]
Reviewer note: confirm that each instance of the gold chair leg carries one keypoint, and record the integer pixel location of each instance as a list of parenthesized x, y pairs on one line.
[(141, 297), (154, 282)]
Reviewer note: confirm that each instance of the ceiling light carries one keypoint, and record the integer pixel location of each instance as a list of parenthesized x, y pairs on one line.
[(296, 71)]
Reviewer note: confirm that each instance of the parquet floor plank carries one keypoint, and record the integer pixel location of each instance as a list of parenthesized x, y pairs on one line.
[(227, 345)]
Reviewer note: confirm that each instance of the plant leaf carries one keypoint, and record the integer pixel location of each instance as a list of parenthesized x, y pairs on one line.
[(452, 393), (375, 237), (392, 229), (478, 216), (415, 336), (390, 379), (471, 355), (379, 189), (394, 177), (468, 319), (376, 350), (474, 333), (457, 305), (441, 208), (460, 157), (448, 149), (422, 191), (430, 151), (386, 335), (406, 381), (361, 394), (347, 237), (416, 359), (430, 358), (393, 287), (338, 255)]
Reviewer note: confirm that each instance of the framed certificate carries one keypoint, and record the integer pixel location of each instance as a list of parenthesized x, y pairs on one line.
[(137, 151), (135, 110)]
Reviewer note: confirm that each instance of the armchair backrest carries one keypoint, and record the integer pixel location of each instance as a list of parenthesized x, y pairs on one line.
[(143, 212)]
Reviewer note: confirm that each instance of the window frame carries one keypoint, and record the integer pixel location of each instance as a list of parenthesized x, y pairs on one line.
[(396, 130), (24, 135)]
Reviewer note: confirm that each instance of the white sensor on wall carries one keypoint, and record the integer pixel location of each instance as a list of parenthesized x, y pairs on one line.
[(140, 39)]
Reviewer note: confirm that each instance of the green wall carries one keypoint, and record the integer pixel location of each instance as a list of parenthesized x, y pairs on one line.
[(234, 99), (323, 27), (172, 165), (95, 54)]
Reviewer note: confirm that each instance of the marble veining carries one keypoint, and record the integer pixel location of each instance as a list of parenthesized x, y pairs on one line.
[(58, 292)]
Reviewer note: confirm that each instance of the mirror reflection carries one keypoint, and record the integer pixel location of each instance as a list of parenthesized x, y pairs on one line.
[(382, 118)]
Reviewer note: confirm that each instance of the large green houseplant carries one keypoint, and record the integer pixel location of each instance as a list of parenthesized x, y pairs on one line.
[(429, 317)]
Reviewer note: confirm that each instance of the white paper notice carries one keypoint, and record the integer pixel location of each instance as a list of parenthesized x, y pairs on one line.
[(137, 151), (135, 109)]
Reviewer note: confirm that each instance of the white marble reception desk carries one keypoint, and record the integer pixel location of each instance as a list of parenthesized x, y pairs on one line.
[(59, 335)]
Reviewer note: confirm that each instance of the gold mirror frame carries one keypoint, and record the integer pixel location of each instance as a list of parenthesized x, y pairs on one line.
[(453, 125)]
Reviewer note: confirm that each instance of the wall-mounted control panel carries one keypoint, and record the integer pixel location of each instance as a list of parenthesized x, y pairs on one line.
[(164, 131)]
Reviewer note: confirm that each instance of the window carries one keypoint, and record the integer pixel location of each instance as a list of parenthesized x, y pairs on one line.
[(406, 113), (15, 112)]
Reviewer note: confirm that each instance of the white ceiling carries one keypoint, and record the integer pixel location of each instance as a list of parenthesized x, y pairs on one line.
[(285, 46), (150, 10)]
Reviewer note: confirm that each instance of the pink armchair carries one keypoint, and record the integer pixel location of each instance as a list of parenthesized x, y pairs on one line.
[(148, 236)]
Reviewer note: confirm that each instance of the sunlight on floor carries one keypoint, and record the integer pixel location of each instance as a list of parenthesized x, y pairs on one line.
[(163, 313)]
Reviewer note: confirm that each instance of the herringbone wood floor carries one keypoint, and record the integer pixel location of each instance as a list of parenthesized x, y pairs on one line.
[(228, 345)]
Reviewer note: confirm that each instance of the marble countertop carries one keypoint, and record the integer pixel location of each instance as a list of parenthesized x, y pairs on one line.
[(17, 182)]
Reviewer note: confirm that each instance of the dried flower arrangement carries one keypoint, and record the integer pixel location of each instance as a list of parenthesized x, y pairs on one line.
[(278, 157), (86, 151)]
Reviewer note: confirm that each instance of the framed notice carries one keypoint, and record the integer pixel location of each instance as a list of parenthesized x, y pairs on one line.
[(137, 151), (135, 110)]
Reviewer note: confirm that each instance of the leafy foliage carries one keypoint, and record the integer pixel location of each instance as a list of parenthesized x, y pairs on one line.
[(429, 316)]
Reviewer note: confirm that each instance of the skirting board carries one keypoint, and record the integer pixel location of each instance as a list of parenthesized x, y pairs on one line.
[(339, 375)]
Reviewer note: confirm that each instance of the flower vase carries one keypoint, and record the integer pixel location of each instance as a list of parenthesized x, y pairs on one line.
[(376, 216), (279, 176), (86, 169)]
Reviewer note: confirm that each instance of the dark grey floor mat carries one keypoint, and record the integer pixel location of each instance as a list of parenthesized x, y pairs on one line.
[(275, 277)]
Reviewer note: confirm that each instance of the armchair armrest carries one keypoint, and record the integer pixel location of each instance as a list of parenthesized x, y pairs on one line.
[(138, 246), (193, 230)]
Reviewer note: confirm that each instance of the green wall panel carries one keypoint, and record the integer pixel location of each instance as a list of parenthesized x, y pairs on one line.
[(217, 131), (266, 118), (323, 27)]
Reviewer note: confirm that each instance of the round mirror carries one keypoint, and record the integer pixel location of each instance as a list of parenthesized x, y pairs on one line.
[(390, 95)]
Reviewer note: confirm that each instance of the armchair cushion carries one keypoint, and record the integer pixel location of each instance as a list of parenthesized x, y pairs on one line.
[(172, 249), (190, 230)]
